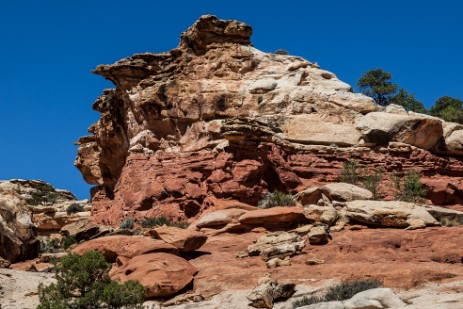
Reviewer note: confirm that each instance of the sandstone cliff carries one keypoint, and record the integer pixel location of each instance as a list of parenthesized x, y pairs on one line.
[(216, 119)]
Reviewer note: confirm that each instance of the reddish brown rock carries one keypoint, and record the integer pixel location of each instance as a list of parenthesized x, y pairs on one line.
[(186, 240), (275, 217), (162, 274), (112, 247), (210, 121)]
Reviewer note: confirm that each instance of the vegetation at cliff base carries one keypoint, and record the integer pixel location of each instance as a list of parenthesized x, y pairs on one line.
[(162, 220), (83, 283)]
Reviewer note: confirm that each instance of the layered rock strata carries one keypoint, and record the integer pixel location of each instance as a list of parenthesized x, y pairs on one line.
[(216, 119)]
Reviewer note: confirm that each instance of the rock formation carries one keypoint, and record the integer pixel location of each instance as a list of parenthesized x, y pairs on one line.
[(216, 119)]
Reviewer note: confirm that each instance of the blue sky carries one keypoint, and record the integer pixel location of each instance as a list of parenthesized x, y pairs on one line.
[(48, 49)]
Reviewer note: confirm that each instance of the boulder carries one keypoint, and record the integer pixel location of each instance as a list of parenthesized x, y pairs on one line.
[(219, 218), (185, 240), (84, 230), (48, 222), (323, 214), (277, 245), (162, 274), (17, 237), (345, 192), (389, 214), (379, 128), (112, 247), (454, 143), (374, 298), (318, 235), (308, 196), (446, 216), (268, 291), (275, 217)]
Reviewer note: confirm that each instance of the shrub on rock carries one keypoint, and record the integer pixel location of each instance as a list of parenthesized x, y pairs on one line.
[(276, 199)]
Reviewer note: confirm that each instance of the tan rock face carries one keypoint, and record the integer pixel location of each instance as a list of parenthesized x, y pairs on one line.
[(216, 119)]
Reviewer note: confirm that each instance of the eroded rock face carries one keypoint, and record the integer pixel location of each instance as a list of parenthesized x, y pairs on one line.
[(216, 119)]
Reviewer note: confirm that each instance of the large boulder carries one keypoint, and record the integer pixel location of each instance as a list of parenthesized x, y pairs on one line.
[(186, 240), (84, 230), (379, 128), (275, 217), (162, 274), (389, 214), (345, 192), (219, 218), (17, 237), (112, 247), (269, 290), (277, 245)]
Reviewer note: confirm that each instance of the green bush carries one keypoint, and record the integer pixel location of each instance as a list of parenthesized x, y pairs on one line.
[(160, 221), (281, 52), (69, 241), (339, 292), (43, 195), (409, 188), (83, 283), (372, 182), (127, 224), (49, 245), (349, 173), (276, 199), (74, 208)]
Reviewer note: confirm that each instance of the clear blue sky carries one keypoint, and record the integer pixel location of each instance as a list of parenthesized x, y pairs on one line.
[(48, 49)]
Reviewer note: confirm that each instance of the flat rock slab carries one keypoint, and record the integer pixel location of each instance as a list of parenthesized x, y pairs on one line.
[(280, 216), (113, 247)]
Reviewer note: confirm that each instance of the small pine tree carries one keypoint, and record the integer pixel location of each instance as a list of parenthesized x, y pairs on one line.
[(83, 283)]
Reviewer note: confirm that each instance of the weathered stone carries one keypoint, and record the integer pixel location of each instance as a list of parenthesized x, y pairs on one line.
[(267, 291), (323, 214), (279, 216), (184, 239), (318, 235), (277, 245), (277, 262), (389, 214), (308, 196), (219, 218), (162, 274), (112, 247), (84, 230), (17, 237), (345, 192)]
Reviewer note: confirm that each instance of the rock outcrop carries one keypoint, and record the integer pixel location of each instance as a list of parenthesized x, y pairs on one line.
[(217, 119)]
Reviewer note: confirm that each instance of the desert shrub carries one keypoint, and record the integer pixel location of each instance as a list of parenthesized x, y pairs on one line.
[(74, 208), (160, 221), (127, 224), (372, 182), (276, 199), (409, 188), (49, 245), (69, 241), (346, 290), (43, 195), (339, 292), (82, 282), (350, 173), (281, 52)]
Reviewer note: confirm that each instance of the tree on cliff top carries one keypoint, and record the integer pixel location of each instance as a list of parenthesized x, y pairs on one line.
[(377, 84), (408, 101), (449, 109)]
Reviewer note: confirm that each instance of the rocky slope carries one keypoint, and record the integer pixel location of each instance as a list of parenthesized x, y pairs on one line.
[(216, 119)]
